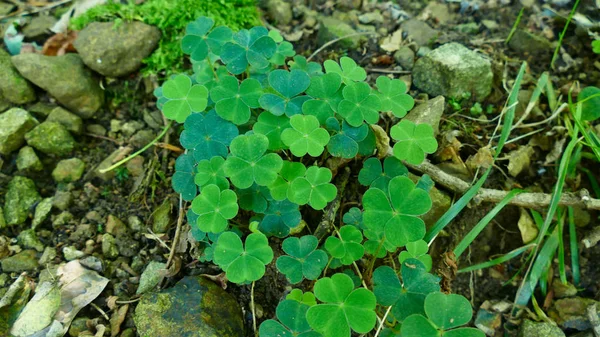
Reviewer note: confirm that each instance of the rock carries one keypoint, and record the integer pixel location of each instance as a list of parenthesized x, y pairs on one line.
[(42, 210), (109, 247), (41, 109), (471, 28), (348, 4), (526, 42), (128, 333), (440, 204), (68, 170), (28, 239), (127, 246), (65, 78), (582, 217), (83, 232), (116, 50), (440, 12), (429, 112), (6, 8), (280, 11), (488, 321), (331, 29), (571, 313), (78, 326), (490, 24), (142, 138), (14, 124), (152, 275), (71, 253), (420, 32), (27, 160), (371, 17), (108, 162), (161, 218), (452, 70), (4, 103), (39, 26), (62, 199), (48, 255), (69, 120), (405, 57), (51, 138), (96, 129), (23, 261), (21, 196), (129, 128), (153, 119), (194, 307), (62, 219), (115, 226), (92, 263), (136, 166), (539, 329), (13, 86), (563, 290)]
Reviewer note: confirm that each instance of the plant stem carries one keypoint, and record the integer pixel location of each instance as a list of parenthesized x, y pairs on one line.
[(253, 308), (387, 312), (563, 33)]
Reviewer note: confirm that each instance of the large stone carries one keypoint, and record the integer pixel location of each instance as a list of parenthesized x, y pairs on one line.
[(13, 86), (452, 70), (280, 11), (429, 112), (332, 28), (69, 120), (194, 307), (39, 25), (420, 32), (23, 261), (29, 239), (539, 329), (526, 42), (51, 138), (64, 77), (116, 50), (27, 160), (14, 124), (68, 170), (21, 196)]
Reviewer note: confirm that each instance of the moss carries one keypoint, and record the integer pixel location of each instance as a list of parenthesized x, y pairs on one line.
[(171, 17)]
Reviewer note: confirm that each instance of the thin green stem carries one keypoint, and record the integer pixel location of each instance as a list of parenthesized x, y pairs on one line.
[(563, 33)]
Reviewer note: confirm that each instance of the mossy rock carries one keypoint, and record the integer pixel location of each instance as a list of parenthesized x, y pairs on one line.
[(13, 87), (51, 138), (21, 196), (14, 124)]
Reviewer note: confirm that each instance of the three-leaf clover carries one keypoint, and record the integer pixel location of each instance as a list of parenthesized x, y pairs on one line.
[(354, 217), (396, 215), (392, 94), (254, 198), (413, 141), (183, 179), (280, 217), (327, 96), (304, 260), (300, 62), (305, 136), (183, 98), (307, 298), (247, 163), (272, 126), (243, 264), (207, 135), (344, 308), (359, 104), (417, 250), (372, 174), (347, 69), (210, 172), (292, 315), (289, 171), (288, 85), (283, 51), (197, 42), (347, 247), (214, 207), (344, 143), (234, 100), (314, 188), (254, 47)]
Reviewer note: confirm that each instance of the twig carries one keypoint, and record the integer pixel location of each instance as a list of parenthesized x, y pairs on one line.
[(100, 311), (388, 71), (253, 308), (337, 40), (129, 301), (328, 219), (177, 234)]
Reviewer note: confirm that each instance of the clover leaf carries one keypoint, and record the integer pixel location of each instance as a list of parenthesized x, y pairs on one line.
[(197, 42), (326, 94), (372, 174), (292, 315), (314, 188), (254, 198), (283, 51), (243, 264), (347, 69), (392, 94), (406, 297), (254, 47), (377, 244), (289, 171), (354, 217), (396, 215), (247, 163), (359, 104), (307, 298), (287, 85), (234, 100), (210, 172), (183, 98), (183, 179), (303, 259), (280, 217), (272, 126), (300, 62), (343, 309), (347, 247), (214, 207), (207, 135), (366, 147), (413, 141), (344, 144), (305, 136), (204, 73), (417, 250)]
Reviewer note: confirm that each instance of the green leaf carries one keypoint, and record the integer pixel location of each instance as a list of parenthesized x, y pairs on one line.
[(347, 69), (304, 260), (464, 332), (283, 51), (418, 326), (344, 144), (305, 136), (372, 174), (254, 198), (448, 311), (366, 147), (314, 188), (289, 171), (183, 98), (183, 178), (234, 100), (347, 247), (254, 47), (590, 109), (327, 95), (288, 85), (359, 104), (214, 207), (197, 42), (413, 141), (307, 298), (210, 172), (247, 163), (300, 63), (417, 250), (354, 217), (392, 94), (243, 264), (344, 309), (272, 126), (373, 245), (397, 215), (280, 217), (292, 315), (207, 136)]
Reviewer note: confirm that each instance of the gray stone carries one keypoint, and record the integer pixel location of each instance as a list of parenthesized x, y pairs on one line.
[(108, 162), (48, 255), (471, 28), (20, 197), (42, 211), (96, 129), (65, 78), (83, 232), (71, 253), (127, 246), (194, 307), (563, 290), (525, 42), (280, 11), (4, 103), (116, 50), (39, 26), (129, 128), (153, 119), (68, 170), (135, 166), (69, 120), (115, 226), (142, 138), (109, 247), (41, 109), (51, 138), (429, 112), (92, 263), (420, 32), (14, 124), (331, 29), (571, 312), (13, 87), (405, 57), (28, 239), (20, 262), (452, 70), (27, 160), (62, 199), (135, 224), (62, 219), (161, 218), (371, 17), (539, 329)]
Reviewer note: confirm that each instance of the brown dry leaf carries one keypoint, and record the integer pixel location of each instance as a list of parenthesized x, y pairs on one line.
[(482, 159), (60, 44), (519, 160), (111, 302), (527, 227), (450, 146), (556, 152), (392, 42), (382, 141), (117, 318)]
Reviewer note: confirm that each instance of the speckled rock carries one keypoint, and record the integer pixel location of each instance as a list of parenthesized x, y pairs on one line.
[(68, 170), (23, 261), (42, 211), (14, 124), (69, 120), (13, 87), (419, 31), (27, 160), (20, 197), (28, 239), (429, 112), (332, 28), (539, 329), (51, 138)]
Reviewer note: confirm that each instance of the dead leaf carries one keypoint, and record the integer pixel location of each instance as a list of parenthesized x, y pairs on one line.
[(482, 159), (519, 160), (392, 42), (60, 44), (151, 277), (556, 152), (117, 318), (78, 8), (382, 141), (527, 227)]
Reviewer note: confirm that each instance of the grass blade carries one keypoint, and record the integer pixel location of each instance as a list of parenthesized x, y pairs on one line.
[(562, 271), (508, 256), (515, 25), (563, 33), (573, 245)]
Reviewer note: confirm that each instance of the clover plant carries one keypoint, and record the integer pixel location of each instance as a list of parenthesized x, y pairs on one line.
[(266, 134)]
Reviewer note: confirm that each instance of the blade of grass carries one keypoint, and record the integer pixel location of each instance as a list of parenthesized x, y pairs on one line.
[(593, 181), (563, 33), (573, 245), (470, 237), (506, 257), (562, 272), (521, 268), (537, 218), (515, 25), (539, 88)]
